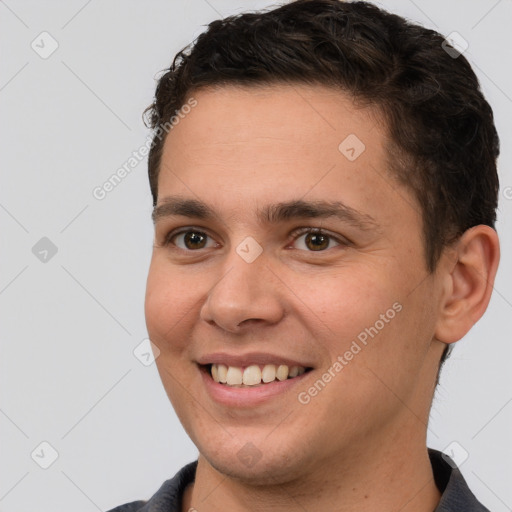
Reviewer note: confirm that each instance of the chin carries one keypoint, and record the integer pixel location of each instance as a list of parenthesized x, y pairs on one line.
[(239, 458), (266, 471)]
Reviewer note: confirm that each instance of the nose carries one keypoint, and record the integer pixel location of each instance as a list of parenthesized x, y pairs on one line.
[(245, 294)]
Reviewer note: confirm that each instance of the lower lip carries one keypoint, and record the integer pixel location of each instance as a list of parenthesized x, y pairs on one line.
[(248, 396)]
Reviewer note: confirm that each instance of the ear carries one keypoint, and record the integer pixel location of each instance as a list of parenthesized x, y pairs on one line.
[(468, 282)]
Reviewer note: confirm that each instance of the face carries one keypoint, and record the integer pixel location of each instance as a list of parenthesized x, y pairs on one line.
[(281, 239)]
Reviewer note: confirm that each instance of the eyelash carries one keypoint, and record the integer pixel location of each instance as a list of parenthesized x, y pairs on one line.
[(297, 233)]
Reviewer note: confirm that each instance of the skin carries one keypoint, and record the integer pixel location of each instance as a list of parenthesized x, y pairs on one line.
[(360, 443)]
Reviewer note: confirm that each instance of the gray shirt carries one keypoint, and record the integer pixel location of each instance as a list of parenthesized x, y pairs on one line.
[(456, 496)]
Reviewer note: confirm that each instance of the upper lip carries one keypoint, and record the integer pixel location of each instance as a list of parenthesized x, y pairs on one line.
[(243, 360)]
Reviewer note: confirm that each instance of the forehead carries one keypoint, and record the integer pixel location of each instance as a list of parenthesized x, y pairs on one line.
[(318, 116), (249, 146), (294, 129)]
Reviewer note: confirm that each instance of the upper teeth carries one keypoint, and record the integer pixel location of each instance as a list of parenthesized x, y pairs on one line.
[(253, 375)]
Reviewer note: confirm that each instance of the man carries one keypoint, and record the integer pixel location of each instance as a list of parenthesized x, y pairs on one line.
[(325, 187)]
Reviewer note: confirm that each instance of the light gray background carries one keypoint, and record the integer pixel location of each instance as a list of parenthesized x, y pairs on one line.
[(68, 375)]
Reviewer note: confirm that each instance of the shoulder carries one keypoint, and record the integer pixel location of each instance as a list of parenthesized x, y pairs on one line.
[(169, 495), (134, 506), (456, 495)]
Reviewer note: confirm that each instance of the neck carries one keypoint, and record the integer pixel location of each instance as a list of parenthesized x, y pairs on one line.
[(397, 478)]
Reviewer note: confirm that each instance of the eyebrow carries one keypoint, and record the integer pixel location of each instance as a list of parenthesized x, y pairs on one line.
[(271, 214)]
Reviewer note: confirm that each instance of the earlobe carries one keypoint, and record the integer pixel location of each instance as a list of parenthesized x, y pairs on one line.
[(468, 283)]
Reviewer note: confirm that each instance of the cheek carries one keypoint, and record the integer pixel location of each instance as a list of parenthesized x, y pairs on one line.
[(169, 310), (343, 304), (170, 304)]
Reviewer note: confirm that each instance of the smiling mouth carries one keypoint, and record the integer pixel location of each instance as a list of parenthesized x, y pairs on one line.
[(252, 375)]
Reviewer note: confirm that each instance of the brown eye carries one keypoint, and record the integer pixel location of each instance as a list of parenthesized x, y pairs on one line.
[(190, 240), (316, 241), (194, 240)]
